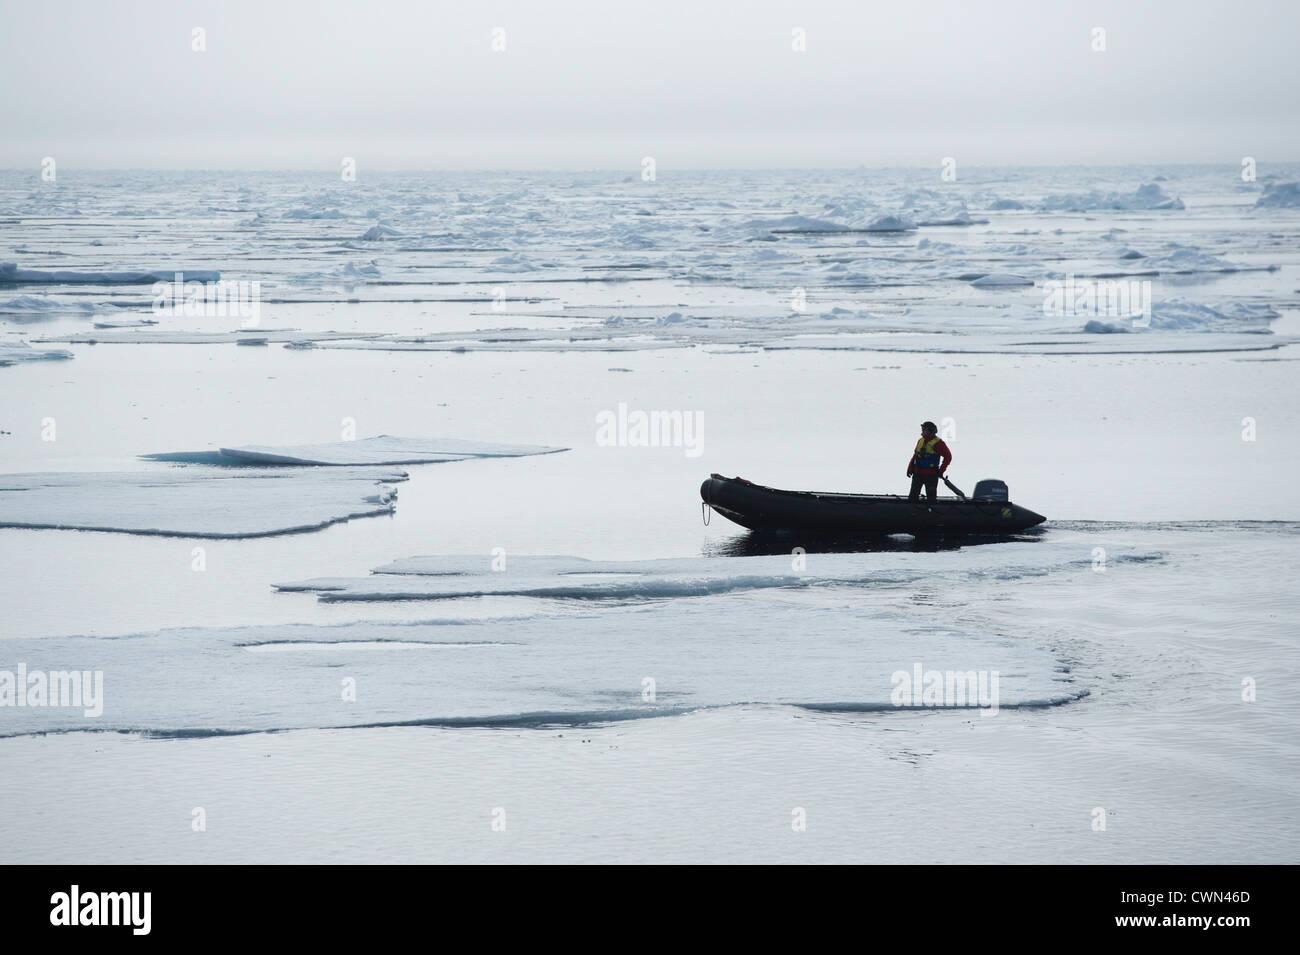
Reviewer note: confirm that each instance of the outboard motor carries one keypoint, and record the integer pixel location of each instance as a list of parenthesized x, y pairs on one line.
[(990, 489)]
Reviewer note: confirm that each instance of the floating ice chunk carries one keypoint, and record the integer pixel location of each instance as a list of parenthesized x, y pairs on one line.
[(382, 449), (795, 224), (127, 323), (890, 224), (351, 271), (516, 262), (13, 351), (196, 502), (959, 217), (1176, 314), (773, 255), (378, 233), (1147, 197), (34, 304), (10, 273), (1095, 327), (1001, 280), (309, 214), (1280, 195), (1181, 258), (1002, 205)]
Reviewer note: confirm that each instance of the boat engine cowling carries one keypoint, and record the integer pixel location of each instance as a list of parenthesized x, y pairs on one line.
[(991, 489)]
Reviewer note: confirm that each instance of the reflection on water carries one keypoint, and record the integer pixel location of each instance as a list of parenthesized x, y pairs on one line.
[(767, 543)]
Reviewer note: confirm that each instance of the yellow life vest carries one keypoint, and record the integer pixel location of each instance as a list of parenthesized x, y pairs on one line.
[(926, 454)]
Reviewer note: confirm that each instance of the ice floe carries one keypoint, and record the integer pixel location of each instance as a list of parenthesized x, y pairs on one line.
[(1055, 343), (1176, 314), (621, 663), (11, 274), (447, 577), (150, 336), (796, 224), (1279, 195), (39, 305), (197, 502), (13, 351), (1002, 280), (379, 450), (890, 224), (1147, 197), (378, 233)]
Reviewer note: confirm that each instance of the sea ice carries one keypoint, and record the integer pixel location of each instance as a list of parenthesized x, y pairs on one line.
[(1147, 197), (13, 351), (380, 450), (445, 577), (129, 336), (197, 502), (10, 273), (890, 224), (614, 663), (1279, 195), (1001, 280)]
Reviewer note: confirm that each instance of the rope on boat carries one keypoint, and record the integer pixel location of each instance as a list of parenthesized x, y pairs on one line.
[(705, 512)]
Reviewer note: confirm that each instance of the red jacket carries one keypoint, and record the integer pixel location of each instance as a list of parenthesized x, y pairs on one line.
[(944, 454)]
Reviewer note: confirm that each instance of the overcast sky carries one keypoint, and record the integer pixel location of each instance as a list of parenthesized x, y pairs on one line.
[(599, 85)]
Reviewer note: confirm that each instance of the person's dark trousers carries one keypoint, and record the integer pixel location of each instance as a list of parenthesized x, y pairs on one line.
[(931, 484)]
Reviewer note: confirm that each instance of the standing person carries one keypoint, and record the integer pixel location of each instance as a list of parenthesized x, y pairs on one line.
[(925, 467)]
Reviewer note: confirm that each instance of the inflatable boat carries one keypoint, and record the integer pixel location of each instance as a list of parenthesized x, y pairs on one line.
[(987, 511)]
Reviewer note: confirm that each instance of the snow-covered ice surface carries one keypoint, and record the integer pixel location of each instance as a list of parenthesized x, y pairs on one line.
[(381, 449), (812, 319), (113, 335), (442, 578), (13, 351), (460, 262), (196, 502), (11, 274), (528, 672)]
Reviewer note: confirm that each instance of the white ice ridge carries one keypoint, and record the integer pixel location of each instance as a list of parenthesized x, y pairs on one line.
[(11, 274), (610, 663), (197, 502), (13, 351), (381, 449), (440, 578)]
